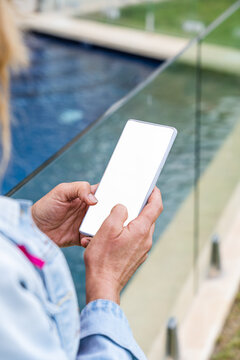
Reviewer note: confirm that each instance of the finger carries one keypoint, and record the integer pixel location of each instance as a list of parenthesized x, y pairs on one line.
[(114, 223), (151, 210), (85, 242), (94, 188), (78, 189)]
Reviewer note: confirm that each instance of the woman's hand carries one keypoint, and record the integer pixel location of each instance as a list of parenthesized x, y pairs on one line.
[(60, 213), (115, 252)]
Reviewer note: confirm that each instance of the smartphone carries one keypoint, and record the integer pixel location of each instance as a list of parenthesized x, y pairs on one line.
[(131, 173)]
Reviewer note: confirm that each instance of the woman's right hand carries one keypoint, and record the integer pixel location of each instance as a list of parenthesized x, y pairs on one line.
[(113, 255)]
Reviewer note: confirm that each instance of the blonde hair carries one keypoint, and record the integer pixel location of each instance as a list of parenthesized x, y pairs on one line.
[(13, 55)]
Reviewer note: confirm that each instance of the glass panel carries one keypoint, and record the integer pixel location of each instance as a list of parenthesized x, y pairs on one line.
[(171, 261), (220, 134)]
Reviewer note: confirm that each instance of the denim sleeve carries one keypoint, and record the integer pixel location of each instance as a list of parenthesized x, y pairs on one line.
[(26, 330), (105, 334)]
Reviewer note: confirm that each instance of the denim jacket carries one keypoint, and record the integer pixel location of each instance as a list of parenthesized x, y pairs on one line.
[(38, 306)]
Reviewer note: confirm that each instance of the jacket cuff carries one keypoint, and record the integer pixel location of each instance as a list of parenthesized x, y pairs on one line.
[(106, 318)]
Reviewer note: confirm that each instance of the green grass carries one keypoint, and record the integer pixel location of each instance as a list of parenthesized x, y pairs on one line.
[(228, 344), (170, 16)]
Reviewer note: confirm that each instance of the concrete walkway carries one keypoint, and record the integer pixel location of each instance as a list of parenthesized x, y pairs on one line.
[(114, 37)]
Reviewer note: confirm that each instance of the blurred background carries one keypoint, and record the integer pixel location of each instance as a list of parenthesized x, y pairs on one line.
[(93, 65)]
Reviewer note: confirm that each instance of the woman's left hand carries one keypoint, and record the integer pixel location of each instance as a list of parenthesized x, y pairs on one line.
[(60, 213)]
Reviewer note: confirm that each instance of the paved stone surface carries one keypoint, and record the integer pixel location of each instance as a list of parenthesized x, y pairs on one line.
[(114, 37)]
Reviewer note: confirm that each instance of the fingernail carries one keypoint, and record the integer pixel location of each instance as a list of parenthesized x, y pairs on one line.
[(92, 198)]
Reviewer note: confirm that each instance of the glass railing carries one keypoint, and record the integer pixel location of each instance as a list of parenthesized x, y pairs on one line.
[(198, 92)]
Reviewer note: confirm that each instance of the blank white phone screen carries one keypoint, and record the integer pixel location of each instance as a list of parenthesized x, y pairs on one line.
[(131, 173)]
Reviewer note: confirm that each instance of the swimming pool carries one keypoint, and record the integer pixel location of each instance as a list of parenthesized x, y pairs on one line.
[(67, 87)]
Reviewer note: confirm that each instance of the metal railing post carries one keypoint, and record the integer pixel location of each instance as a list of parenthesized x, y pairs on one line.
[(215, 258), (172, 345)]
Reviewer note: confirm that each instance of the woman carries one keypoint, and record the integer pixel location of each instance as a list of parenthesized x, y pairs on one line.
[(38, 306)]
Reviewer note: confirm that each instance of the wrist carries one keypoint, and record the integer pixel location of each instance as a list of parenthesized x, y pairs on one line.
[(99, 288)]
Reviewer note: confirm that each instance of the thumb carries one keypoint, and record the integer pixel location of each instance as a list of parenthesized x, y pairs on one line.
[(85, 241), (114, 223)]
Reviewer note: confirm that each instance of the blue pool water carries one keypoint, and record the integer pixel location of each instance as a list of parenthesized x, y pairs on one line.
[(67, 87)]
